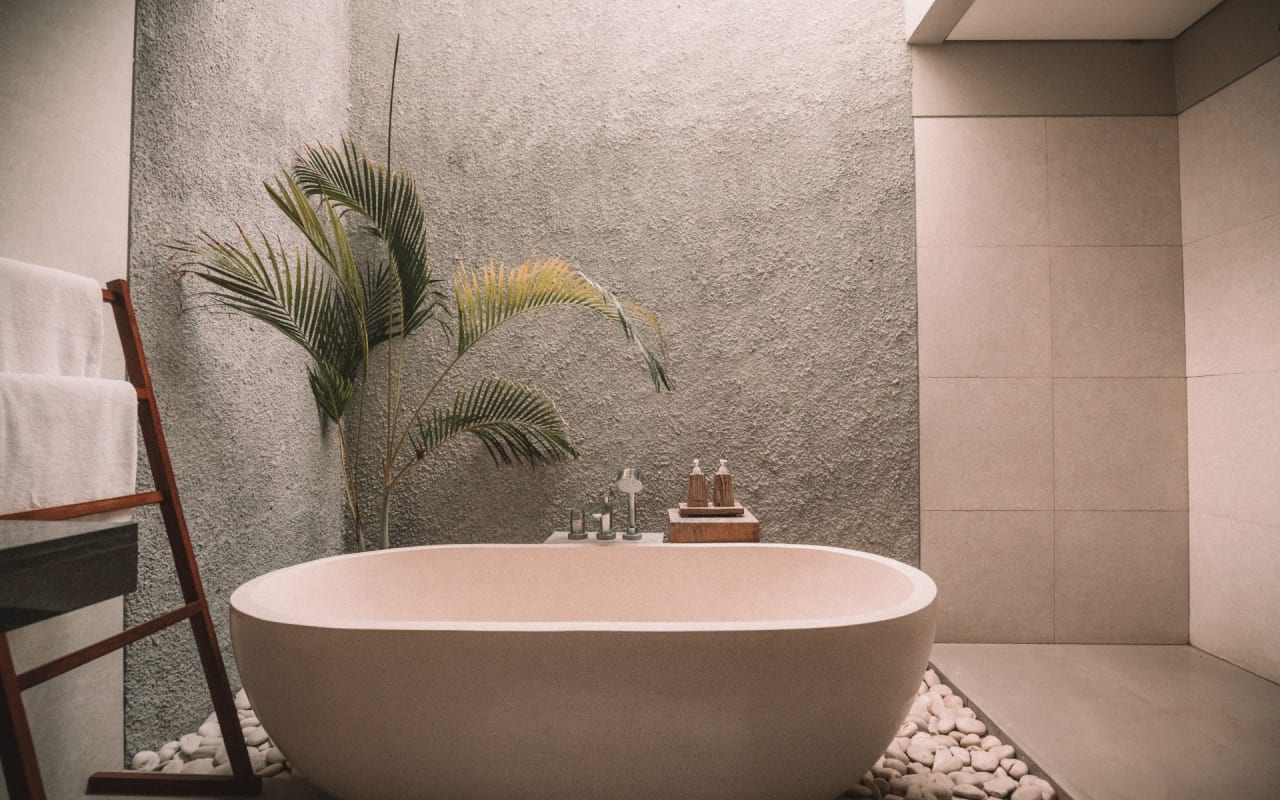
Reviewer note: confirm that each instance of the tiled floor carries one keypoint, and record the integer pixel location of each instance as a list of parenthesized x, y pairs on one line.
[(1113, 722)]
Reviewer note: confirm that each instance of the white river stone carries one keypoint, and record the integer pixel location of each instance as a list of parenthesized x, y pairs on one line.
[(983, 761), (255, 736), (188, 744), (199, 766), (146, 761), (1000, 786)]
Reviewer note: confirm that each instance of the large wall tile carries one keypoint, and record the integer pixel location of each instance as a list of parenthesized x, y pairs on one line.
[(994, 571), (1233, 299), (1120, 443), (984, 311), (1230, 155), (1117, 311), (1235, 597), (986, 443), (1233, 424), (1113, 180), (981, 181), (1120, 576)]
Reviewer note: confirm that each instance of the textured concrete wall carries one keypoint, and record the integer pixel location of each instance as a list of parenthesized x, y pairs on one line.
[(746, 171), (224, 93)]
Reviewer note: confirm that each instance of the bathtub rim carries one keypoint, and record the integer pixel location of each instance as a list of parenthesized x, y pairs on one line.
[(923, 594)]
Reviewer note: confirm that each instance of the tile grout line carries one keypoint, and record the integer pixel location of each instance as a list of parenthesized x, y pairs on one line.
[(1053, 408)]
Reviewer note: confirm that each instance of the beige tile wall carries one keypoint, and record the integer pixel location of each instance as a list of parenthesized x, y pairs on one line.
[(1053, 406), (1230, 162)]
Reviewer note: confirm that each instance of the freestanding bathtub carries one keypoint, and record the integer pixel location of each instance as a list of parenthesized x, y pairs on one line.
[(627, 672)]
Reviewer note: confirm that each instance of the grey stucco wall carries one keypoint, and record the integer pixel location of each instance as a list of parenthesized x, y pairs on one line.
[(746, 171), (224, 93)]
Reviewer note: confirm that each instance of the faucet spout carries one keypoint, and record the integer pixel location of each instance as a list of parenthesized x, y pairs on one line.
[(630, 483)]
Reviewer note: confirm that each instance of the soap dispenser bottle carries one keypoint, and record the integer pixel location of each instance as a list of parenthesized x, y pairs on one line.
[(696, 496), (722, 483)]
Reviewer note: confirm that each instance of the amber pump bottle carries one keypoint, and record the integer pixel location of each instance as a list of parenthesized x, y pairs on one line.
[(722, 483), (696, 496)]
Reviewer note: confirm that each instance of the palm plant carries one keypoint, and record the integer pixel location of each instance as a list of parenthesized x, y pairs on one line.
[(338, 304)]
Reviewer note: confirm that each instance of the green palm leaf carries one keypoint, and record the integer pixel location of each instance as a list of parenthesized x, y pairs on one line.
[(516, 423), (294, 296), (350, 180), (489, 297)]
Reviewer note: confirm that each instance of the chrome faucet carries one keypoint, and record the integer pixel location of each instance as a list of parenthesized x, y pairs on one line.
[(629, 483), (604, 518)]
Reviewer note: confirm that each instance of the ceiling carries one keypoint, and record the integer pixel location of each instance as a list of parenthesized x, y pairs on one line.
[(1078, 19)]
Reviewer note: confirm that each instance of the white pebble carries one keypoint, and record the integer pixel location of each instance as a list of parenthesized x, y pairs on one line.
[(953, 701), (169, 750), (972, 778), (1015, 767), (1000, 786), (942, 690), (983, 761), (968, 792), (970, 740), (255, 736), (1026, 793), (989, 742), (962, 754), (947, 722), (970, 725), (172, 766), (242, 700), (931, 678), (274, 756), (188, 744), (146, 761), (1003, 751), (210, 728), (250, 722), (945, 761), (199, 766)]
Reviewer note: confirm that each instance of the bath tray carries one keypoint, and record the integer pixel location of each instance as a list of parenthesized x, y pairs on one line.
[(735, 510)]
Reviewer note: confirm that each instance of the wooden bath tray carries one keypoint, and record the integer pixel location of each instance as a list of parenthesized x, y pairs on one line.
[(735, 510)]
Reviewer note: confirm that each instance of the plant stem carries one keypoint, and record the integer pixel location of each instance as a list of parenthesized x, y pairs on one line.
[(349, 485), (385, 517)]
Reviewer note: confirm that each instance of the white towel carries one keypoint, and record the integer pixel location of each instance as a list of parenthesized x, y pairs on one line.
[(65, 440), (50, 321)]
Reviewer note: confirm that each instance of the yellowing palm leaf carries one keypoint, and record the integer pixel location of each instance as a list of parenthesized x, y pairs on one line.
[(486, 298)]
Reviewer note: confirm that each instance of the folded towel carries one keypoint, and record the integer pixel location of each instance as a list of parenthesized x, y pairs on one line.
[(65, 440), (50, 321)]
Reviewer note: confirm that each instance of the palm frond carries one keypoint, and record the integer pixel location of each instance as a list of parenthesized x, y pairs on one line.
[(296, 297), (488, 297), (516, 423), (350, 180)]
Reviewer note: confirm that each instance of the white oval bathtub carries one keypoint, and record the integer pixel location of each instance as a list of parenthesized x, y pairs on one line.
[(659, 672)]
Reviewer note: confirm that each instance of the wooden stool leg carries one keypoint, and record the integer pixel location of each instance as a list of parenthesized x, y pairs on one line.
[(17, 751)]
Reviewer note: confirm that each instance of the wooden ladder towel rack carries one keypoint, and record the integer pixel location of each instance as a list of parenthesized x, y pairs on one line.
[(17, 751)]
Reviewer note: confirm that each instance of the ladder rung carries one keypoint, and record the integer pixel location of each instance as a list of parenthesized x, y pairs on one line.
[(90, 507), (40, 674)]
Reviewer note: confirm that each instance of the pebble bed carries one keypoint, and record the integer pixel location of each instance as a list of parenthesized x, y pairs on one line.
[(941, 752)]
